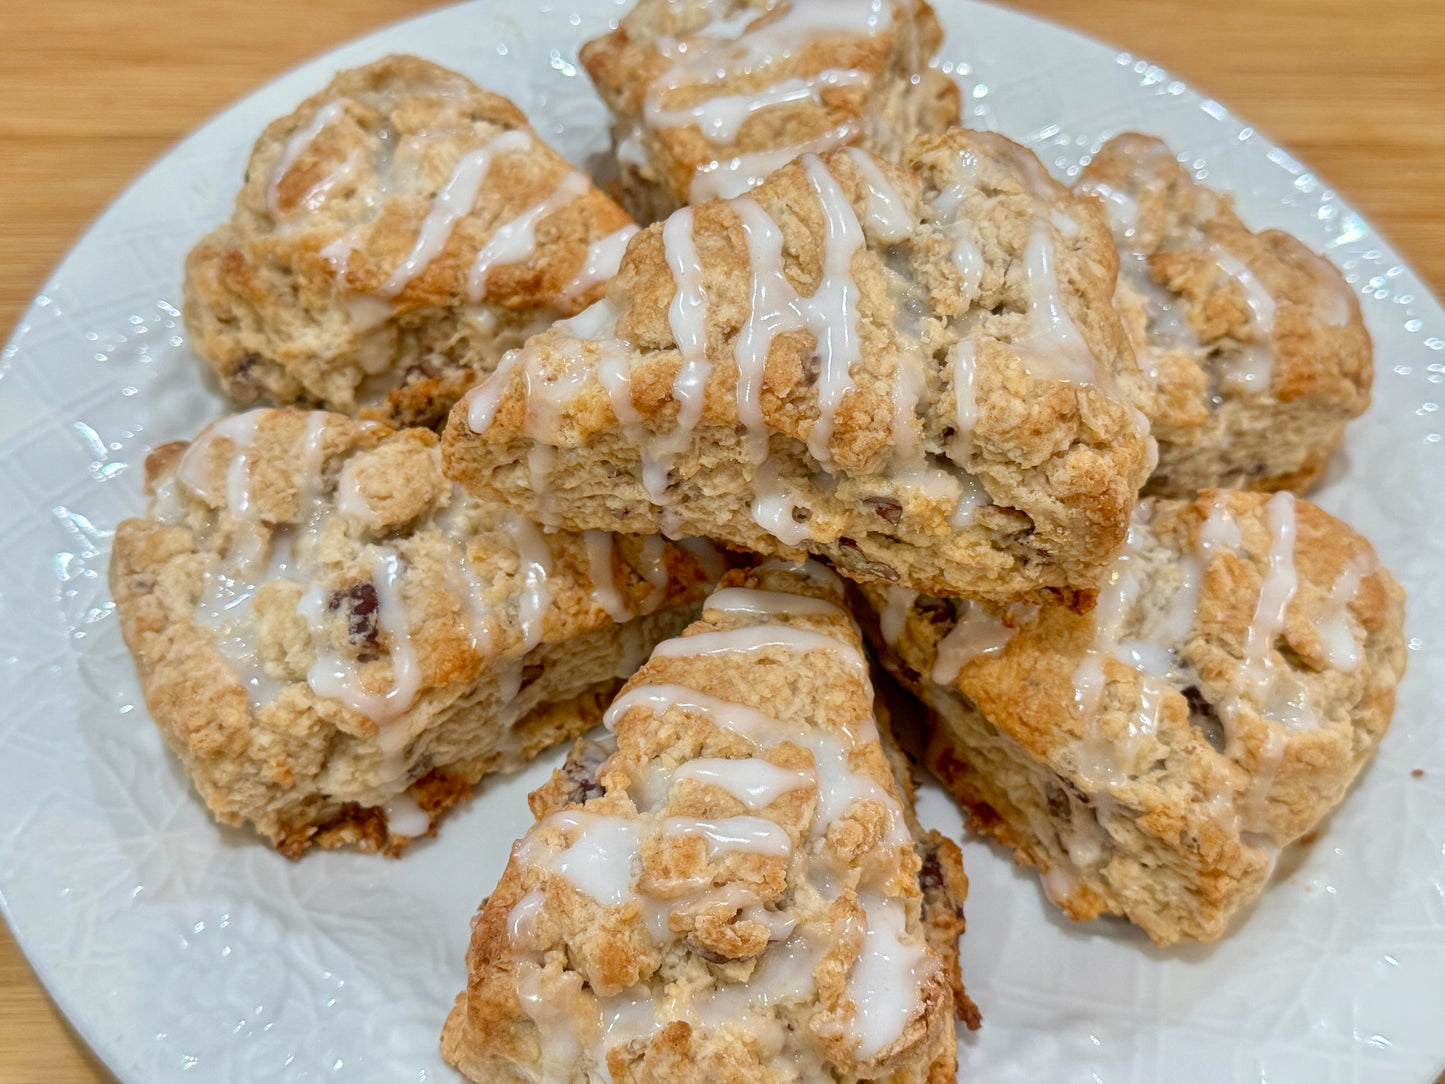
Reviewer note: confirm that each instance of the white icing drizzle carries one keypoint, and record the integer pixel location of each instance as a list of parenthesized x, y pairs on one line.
[(1342, 650), (557, 1030), (604, 256), (1120, 209), (296, 145), (1053, 346), (893, 618), (1220, 532), (952, 217), (599, 568), (248, 539), (973, 497), (888, 977), (339, 678), (404, 817), (1279, 587), (534, 560), (719, 119), (482, 401), (755, 782), (964, 357), (748, 835), (885, 217), (832, 311), (730, 177), (516, 240), (773, 310), (599, 862), (541, 458), (1260, 301), (452, 201), (771, 604), (522, 920), (687, 317), (727, 48), (653, 566), (978, 634), (758, 638)]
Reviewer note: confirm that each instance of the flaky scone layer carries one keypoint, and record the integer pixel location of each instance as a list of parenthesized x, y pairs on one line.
[(1152, 758), (330, 634), (916, 372), (396, 234), (734, 892), (709, 98), (1256, 345)]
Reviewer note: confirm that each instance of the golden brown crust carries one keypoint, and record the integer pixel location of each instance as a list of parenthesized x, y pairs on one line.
[(1163, 793), (1058, 445), (213, 603), (888, 92), (1259, 344), (555, 944), (296, 299)]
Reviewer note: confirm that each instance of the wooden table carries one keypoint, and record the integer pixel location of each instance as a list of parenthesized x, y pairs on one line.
[(95, 90)]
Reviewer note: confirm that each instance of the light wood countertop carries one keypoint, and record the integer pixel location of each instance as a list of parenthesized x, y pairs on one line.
[(94, 91)]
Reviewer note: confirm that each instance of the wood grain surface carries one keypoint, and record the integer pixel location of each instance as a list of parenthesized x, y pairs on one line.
[(94, 90)]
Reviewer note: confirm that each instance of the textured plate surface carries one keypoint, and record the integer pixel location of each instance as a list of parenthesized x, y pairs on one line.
[(184, 952)]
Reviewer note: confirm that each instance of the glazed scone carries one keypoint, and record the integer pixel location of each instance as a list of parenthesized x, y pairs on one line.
[(733, 894), (338, 643), (1151, 759), (1256, 345), (710, 96), (915, 372), (395, 235)]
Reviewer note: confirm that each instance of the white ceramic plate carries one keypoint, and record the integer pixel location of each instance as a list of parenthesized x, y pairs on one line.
[(181, 951)]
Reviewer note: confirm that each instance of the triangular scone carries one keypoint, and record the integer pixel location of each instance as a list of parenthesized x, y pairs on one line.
[(709, 98), (1151, 758), (338, 642), (916, 372), (396, 234), (1257, 345), (734, 893)]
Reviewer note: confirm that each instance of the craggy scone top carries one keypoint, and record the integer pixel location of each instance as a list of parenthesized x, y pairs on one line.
[(710, 96), (1256, 344), (1233, 679), (917, 372), (733, 894), (309, 596), (400, 225)]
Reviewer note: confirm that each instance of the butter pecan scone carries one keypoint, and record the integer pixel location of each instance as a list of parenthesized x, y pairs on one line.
[(338, 643), (916, 372), (395, 235), (1151, 758), (732, 894), (1256, 345), (708, 98)]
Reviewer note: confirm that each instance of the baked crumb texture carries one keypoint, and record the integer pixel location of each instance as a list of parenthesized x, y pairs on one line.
[(395, 235), (1256, 345), (731, 891), (916, 372), (338, 643), (709, 98), (1151, 759)]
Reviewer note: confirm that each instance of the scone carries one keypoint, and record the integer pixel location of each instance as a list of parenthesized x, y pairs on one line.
[(396, 234), (916, 372), (1256, 344), (709, 98), (338, 643), (1151, 759), (732, 894)]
